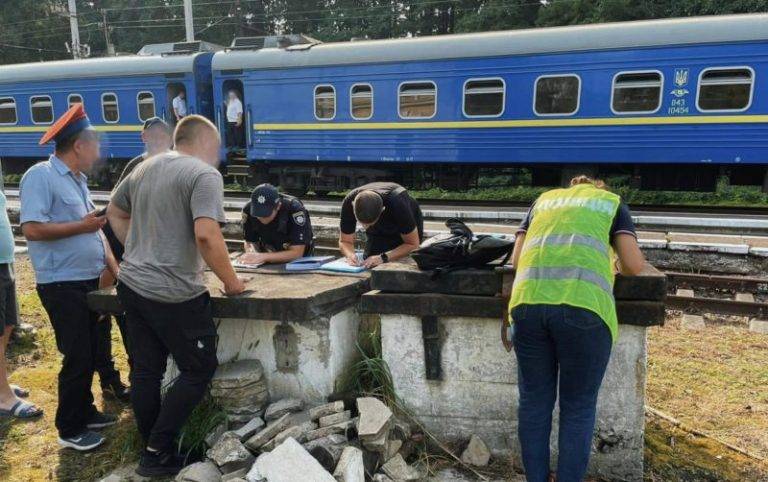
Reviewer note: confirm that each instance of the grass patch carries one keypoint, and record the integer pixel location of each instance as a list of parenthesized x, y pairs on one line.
[(206, 416)]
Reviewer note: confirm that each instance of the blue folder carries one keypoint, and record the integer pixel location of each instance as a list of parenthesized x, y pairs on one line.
[(307, 263)]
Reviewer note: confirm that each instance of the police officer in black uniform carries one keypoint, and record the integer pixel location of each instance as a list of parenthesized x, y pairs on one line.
[(392, 220), (276, 227)]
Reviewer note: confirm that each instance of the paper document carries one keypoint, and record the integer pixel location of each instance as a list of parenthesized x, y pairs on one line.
[(342, 266)]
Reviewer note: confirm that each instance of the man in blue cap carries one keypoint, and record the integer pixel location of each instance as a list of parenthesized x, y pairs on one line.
[(69, 253), (276, 227)]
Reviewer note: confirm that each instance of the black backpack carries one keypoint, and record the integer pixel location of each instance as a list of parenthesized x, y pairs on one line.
[(461, 249)]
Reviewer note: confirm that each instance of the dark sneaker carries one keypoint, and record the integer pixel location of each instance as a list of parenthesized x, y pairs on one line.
[(101, 420), (116, 390), (155, 464), (83, 442)]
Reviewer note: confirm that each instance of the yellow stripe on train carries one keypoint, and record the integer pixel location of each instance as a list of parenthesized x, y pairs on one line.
[(488, 124)]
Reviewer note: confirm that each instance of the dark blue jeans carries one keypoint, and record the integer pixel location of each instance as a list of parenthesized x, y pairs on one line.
[(576, 344)]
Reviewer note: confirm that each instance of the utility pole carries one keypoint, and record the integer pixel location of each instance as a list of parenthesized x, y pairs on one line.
[(110, 46), (188, 23), (75, 29)]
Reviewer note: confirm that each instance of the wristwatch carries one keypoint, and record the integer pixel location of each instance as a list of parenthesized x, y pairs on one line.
[(384, 258)]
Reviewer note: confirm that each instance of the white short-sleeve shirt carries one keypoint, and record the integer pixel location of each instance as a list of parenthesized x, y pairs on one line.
[(234, 109), (180, 106)]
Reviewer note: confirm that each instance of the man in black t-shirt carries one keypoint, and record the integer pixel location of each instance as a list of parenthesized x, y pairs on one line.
[(392, 220), (276, 227)]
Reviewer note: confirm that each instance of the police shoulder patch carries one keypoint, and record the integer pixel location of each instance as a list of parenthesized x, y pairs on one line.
[(299, 218)]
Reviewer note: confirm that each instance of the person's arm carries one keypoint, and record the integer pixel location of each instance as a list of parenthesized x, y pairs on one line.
[(120, 221), (410, 244), (35, 231), (112, 266), (630, 259), (522, 229), (119, 210), (277, 257), (214, 251), (347, 225)]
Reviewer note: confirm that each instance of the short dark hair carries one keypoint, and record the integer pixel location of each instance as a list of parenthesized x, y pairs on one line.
[(189, 129), (584, 179), (368, 206), (67, 144)]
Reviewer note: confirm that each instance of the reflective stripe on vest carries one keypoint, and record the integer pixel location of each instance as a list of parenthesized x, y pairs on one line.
[(566, 256)]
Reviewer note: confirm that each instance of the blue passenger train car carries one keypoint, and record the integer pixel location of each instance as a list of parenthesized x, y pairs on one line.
[(642, 95), (672, 102), (118, 93)]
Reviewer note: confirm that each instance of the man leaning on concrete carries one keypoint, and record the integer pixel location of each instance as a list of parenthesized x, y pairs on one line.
[(167, 213), (69, 254)]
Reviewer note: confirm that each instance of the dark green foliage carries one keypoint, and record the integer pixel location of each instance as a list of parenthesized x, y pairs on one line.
[(34, 30)]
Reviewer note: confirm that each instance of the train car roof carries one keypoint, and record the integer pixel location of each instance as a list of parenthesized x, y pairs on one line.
[(620, 35), (99, 67)]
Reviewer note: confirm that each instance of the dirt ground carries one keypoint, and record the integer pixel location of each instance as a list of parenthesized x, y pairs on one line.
[(715, 381)]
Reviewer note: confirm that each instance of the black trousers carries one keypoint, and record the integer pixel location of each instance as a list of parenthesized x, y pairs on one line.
[(185, 331), (235, 137), (76, 330), (105, 364)]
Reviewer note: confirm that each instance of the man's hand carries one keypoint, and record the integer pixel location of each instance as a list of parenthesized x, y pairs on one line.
[(92, 222), (253, 258), (372, 261), (236, 287), (353, 260)]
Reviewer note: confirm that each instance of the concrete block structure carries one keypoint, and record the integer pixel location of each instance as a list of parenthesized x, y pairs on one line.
[(441, 340), (301, 327)]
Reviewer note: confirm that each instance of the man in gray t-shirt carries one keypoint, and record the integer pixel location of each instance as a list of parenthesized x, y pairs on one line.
[(167, 213)]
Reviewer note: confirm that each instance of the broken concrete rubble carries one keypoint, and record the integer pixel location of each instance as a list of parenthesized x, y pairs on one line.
[(229, 454), (335, 418), (268, 433), (249, 429), (281, 407), (288, 462), (374, 418), (476, 453), (240, 388), (350, 467), (397, 469), (325, 410), (199, 472)]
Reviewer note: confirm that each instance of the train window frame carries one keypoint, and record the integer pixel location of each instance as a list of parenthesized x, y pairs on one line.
[(15, 111), (662, 80), (351, 110), (486, 116), (138, 105), (69, 99), (117, 103), (335, 102), (399, 94), (730, 67), (551, 76), (31, 112)]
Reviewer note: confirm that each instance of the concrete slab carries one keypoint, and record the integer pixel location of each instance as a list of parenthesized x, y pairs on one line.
[(725, 248), (692, 322), (269, 297), (758, 326), (685, 292), (746, 297)]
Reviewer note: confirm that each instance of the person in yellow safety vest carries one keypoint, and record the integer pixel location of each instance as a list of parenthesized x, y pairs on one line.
[(563, 317)]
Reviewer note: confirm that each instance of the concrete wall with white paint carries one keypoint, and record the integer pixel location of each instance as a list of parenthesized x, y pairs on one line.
[(478, 391)]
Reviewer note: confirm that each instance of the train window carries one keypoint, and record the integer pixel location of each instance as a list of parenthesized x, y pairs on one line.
[(483, 97), (361, 101), (417, 100), (637, 92), (74, 99), (42, 109), (146, 105), (728, 89), (110, 110), (556, 95), (8, 111), (325, 102)]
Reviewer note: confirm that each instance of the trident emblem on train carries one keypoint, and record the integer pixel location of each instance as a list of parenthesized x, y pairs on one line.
[(681, 80)]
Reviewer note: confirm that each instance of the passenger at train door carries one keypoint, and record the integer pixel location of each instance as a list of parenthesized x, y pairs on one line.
[(156, 136), (235, 130), (563, 317), (69, 253), (180, 105), (167, 213), (392, 221), (276, 228)]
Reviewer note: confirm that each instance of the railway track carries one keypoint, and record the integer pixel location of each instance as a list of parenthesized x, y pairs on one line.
[(725, 295)]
